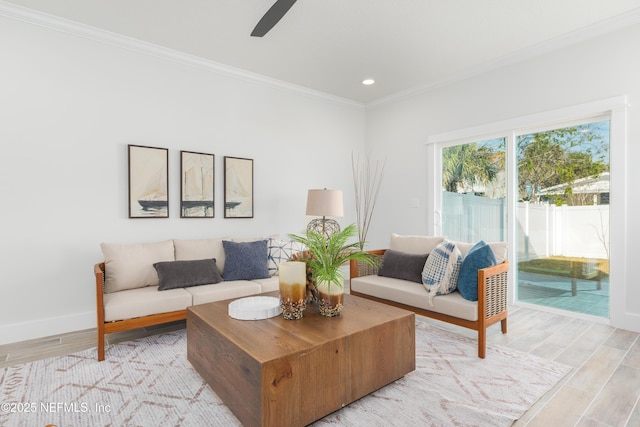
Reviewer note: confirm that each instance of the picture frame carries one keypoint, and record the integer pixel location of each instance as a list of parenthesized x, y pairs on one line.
[(148, 182), (238, 187), (197, 185)]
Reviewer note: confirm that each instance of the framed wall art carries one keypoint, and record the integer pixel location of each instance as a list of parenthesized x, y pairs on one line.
[(148, 183), (238, 187), (196, 185)]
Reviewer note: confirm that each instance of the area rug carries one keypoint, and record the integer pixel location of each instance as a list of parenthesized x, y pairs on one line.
[(149, 382)]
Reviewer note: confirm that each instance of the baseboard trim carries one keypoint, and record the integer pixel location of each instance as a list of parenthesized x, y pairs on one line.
[(33, 329)]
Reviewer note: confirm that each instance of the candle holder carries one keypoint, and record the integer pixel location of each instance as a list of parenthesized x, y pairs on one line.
[(293, 289)]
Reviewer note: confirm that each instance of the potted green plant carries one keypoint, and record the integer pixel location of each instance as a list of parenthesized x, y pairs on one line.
[(325, 256)]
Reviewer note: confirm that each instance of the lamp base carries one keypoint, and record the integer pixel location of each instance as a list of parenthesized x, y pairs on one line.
[(324, 226)]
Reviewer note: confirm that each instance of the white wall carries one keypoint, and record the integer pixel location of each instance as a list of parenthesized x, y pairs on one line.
[(68, 108), (608, 66)]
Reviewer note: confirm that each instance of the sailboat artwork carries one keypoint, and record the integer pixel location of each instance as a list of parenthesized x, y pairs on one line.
[(196, 199), (238, 187), (148, 183)]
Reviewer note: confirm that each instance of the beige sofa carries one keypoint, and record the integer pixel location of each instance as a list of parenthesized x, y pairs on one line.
[(490, 307), (130, 290)]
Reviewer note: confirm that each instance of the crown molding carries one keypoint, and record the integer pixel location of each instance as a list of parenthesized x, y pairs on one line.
[(78, 29), (583, 34)]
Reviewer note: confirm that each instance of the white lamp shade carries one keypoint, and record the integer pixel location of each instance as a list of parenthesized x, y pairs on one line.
[(325, 203)]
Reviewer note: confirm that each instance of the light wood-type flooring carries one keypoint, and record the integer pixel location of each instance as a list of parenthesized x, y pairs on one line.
[(602, 390)]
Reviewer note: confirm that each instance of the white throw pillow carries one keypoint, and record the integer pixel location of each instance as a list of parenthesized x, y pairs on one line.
[(131, 266), (440, 273), (416, 245)]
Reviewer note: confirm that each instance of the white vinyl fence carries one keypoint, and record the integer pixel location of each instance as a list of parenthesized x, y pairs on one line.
[(469, 218), (579, 231), (542, 230)]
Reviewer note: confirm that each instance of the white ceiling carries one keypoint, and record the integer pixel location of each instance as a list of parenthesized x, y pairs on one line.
[(332, 45)]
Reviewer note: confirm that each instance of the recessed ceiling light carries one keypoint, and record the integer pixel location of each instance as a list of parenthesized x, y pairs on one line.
[(368, 82)]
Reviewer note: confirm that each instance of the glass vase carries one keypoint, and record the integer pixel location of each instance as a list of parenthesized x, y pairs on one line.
[(330, 299), (293, 289)]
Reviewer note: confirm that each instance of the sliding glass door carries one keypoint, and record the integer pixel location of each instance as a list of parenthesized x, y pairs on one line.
[(474, 191), (563, 218), (559, 201)]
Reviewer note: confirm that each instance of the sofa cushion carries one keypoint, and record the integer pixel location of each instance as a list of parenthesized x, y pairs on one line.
[(130, 266), (245, 260), (270, 284), (413, 295), (440, 274), (401, 265), (253, 239), (144, 302), (183, 274), (279, 251), (463, 247), (414, 244), (499, 250), (480, 256), (223, 290), (191, 249)]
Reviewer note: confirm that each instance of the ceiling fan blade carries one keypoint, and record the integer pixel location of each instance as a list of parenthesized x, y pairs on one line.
[(271, 18)]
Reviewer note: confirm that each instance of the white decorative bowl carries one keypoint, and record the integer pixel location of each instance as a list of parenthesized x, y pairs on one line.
[(255, 308)]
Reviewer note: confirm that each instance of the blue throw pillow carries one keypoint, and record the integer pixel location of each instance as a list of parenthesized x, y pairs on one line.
[(480, 256), (245, 260)]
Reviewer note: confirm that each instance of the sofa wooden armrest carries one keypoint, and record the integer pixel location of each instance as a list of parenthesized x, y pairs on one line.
[(491, 305), (128, 324), (98, 271)]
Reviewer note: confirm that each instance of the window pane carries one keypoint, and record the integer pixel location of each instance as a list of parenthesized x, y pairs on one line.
[(563, 218), (473, 191)]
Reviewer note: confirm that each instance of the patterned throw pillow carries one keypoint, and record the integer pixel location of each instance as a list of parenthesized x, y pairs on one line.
[(280, 251), (440, 274)]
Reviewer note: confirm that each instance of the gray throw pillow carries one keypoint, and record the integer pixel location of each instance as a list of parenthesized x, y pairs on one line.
[(182, 274), (401, 265), (245, 260)]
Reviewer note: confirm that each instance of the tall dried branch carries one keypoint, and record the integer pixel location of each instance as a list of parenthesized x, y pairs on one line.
[(366, 181)]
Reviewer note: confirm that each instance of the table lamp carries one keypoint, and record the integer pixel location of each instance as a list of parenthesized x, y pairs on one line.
[(324, 203)]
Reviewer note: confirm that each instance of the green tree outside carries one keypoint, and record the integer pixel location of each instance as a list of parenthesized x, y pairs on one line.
[(558, 156), (468, 164), (544, 159)]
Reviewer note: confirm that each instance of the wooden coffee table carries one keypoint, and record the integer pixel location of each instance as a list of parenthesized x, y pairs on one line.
[(277, 372)]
